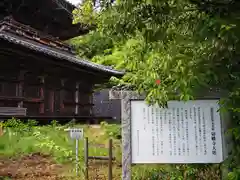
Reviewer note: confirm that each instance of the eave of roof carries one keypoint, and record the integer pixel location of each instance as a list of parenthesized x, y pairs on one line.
[(12, 38), (53, 17)]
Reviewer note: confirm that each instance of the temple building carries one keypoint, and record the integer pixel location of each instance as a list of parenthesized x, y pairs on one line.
[(41, 76)]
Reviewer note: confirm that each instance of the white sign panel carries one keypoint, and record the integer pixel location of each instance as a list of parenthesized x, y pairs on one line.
[(76, 133), (185, 132)]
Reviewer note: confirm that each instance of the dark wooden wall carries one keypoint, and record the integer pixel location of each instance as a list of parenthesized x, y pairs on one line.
[(44, 89)]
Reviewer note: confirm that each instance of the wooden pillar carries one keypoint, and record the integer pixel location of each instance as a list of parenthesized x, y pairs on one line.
[(42, 91), (90, 97), (86, 158), (51, 100), (62, 94), (1, 129), (77, 98), (20, 85)]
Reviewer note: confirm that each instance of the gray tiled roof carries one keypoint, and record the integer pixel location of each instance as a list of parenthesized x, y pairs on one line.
[(35, 46)]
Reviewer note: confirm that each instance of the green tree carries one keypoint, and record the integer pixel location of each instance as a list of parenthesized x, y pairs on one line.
[(174, 41), (187, 44)]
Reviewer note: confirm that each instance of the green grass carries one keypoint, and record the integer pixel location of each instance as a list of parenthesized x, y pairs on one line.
[(23, 139)]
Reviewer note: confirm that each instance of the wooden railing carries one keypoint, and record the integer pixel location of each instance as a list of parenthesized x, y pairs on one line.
[(13, 111)]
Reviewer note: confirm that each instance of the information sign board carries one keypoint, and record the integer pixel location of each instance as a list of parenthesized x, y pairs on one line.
[(185, 132), (76, 133)]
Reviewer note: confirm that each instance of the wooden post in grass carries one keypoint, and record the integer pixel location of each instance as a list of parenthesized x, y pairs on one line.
[(86, 158), (1, 129), (110, 160)]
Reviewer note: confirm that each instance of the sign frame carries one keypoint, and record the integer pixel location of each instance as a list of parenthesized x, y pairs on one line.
[(126, 97), (76, 133), (137, 128)]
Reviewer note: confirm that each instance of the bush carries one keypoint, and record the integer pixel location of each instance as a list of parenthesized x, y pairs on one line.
[(111, 130)]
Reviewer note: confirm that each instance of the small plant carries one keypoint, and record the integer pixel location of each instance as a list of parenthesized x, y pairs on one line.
[(54, 123), (32, 123), (18, 126), (111, 130), (14, 123)]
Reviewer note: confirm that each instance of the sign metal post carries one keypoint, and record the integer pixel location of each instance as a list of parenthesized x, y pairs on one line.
[(77, 157), (76, 134)]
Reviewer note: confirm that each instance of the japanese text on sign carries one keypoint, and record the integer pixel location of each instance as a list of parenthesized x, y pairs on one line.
[(187, 132)]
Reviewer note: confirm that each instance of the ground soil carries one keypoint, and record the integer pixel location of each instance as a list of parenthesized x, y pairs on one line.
[(98, 170), (31, 167), (41, 167)]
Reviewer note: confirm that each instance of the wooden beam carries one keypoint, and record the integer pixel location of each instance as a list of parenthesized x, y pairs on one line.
[(11, 98), (33, 100), (106, 158), (83, 91), (72, 103)]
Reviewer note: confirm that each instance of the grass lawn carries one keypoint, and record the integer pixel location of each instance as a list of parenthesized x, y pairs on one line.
[(41, 152), (30, 152)]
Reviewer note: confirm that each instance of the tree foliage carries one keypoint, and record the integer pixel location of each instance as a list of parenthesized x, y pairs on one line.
[(173, 41), (188, 44)]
